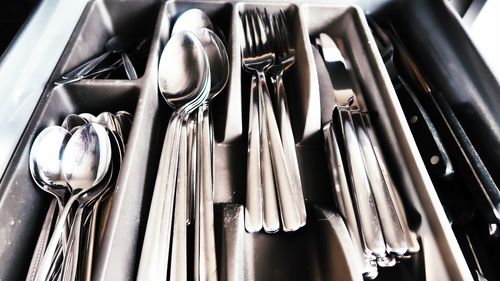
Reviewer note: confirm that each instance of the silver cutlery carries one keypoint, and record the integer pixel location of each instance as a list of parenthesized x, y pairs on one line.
[(219, 75), (391, 228), (285, 58), (184, 87), (339, 174), (257, 57), (84, 168), (65, 258)]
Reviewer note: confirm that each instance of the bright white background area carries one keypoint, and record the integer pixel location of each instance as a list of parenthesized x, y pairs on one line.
[(484, 30)]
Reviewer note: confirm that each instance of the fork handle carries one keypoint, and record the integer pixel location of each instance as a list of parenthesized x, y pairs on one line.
[(286, 194), (288, 141), (253, 206)]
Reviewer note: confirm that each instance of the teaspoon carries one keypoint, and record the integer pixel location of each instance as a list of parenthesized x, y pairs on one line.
[(219, 74), (85, 163)]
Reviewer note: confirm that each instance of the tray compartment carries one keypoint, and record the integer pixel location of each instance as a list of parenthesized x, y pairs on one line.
[(23, 204), (347, 25), (320, 251), (123, 239), (101, 21)]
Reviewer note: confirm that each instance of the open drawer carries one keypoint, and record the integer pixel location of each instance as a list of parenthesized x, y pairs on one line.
[(320, 250)]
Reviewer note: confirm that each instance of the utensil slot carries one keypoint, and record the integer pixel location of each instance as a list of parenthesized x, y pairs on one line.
[(23, 204)]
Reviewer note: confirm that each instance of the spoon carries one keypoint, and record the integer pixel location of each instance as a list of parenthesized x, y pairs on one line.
[(125, 120), (219, 75), (45, 162), (89, 117), (115, 44), (85, 163), (109, 120), (45, 167), (190, 20), (72, 122), (184, 87), (79, 266)]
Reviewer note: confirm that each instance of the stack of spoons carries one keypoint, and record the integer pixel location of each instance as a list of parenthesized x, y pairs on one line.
[(193, 69), (77, 163)]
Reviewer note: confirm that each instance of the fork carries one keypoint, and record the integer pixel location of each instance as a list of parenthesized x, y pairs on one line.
[(285, 58), (257, 57)]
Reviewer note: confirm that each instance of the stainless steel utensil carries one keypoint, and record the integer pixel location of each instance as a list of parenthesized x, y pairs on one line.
[(285, 58), (257, 58), (185, 86), (340, 179), (46, 169), (364, 201), (85, 163), (253, 206), (219, 75), (115, 44), (391, 228), (191, 20)]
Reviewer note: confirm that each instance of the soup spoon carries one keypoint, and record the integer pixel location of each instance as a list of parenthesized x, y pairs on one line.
[(184, 82)]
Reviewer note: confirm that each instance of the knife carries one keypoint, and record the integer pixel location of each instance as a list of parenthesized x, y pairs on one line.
[(391, 228), (485, 192), (364, 241), (427, 138)]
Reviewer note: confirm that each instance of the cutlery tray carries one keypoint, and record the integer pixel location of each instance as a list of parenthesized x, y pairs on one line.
[(319, 251)]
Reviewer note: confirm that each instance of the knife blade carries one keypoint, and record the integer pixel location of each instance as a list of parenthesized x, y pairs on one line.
[(391, 228), (350, 206)]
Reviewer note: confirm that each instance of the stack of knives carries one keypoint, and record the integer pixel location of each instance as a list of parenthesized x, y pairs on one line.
[(364, 191)]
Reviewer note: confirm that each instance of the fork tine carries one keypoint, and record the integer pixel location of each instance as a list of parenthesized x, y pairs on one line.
[(243, 44), (284, 31), (256, 32), (262, 33), (278, 46), (249, 35), (271, 31)]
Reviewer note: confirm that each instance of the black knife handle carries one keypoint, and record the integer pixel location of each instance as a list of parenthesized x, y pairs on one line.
[(428, 141), (488, 196)]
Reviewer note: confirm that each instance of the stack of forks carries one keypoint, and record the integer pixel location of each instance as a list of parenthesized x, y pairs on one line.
[(274, 188)]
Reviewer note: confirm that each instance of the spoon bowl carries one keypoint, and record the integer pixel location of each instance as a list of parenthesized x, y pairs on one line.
[(191, 20), (183, 73), (72, 122), (125, 121), (89, 117), (217, 58), (45, 161), (87, 157)]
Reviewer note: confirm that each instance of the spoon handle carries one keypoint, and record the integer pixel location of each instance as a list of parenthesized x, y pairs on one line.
[(129, 67), (43, 238), (70, 267), (86, 67), (253, 206), (192, 168), (155, 251), (178, 266), (50, 252), (208, 259)]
